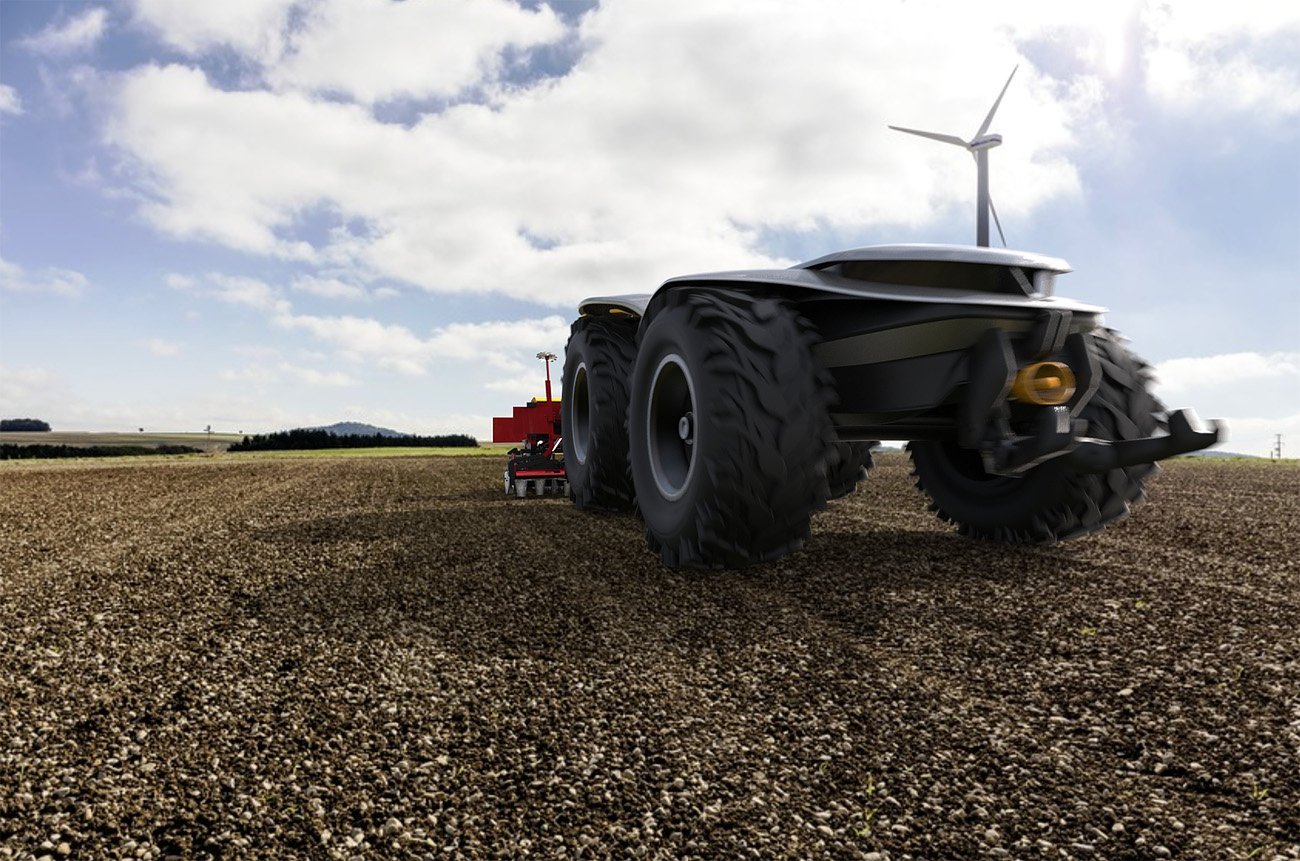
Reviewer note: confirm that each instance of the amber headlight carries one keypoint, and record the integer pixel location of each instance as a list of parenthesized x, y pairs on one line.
[(1045, 384)]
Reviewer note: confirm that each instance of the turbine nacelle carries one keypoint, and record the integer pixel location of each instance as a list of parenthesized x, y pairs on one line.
[(978, 146)]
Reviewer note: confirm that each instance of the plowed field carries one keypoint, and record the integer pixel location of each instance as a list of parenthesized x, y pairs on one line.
[(357, 657)]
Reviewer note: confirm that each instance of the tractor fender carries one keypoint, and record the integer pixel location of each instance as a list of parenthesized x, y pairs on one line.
[(797, 284)]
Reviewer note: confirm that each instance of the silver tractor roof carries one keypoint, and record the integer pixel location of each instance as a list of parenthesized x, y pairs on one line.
[(960, 274), (942, 254)]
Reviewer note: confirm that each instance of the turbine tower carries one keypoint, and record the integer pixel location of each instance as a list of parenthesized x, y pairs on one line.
[(979, 147)]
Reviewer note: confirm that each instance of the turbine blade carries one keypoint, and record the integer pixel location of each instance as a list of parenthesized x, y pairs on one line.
[(988, 121), (994, 212), (934, 136)]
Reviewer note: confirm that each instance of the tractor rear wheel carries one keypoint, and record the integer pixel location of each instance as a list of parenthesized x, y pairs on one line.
[(1051, 502), (593, 412), (729, 429)]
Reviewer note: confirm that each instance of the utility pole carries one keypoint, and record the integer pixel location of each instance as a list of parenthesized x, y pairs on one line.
[(1276, 453)]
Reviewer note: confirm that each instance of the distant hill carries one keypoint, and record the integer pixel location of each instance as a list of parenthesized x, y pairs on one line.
[(357, 429)]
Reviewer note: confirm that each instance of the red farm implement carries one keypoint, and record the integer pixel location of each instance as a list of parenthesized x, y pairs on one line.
[(539, 460)]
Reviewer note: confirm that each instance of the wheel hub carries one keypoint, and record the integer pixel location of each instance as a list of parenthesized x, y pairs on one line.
[(686, 428)]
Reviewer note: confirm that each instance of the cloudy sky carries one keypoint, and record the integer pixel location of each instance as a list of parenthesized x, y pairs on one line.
[(261, 214)]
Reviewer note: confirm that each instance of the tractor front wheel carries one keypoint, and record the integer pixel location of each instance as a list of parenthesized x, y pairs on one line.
[(729, 430), (1051, 502)]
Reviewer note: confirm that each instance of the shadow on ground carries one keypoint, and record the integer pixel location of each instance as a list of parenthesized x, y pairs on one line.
[(547, 580)]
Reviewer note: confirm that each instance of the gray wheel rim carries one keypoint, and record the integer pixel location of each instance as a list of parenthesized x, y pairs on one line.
[(579, 415), (671, 427)]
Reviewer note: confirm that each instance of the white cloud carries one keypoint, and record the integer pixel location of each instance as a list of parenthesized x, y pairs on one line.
[(263, 375), (59, 282), (503, 345), (498, 344), (256, 352), (69, 89), (254, 28), (370, 52), (316, 377), (253, 375), (682, 133), (496, 341), (236, 168), (1215, 56), (160, 347), (27, 390), (10, 103), (391, 346), (237, 290), (328, 288), (429, 49), (1181, 375), (77, 34)]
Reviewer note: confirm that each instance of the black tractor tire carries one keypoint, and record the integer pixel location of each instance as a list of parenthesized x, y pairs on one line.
[(593, 412), (1051, 502), (848, 463), (729, 428)]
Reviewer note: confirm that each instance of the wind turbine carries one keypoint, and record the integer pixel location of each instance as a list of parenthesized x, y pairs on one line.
[(979, 147)]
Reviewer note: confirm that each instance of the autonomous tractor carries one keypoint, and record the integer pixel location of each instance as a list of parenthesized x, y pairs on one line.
[(726, 408)]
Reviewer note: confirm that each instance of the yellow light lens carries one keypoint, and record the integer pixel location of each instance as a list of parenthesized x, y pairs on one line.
[(1045, 384)]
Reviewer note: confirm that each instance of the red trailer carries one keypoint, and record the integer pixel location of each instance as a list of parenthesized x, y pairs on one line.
[(539, 459)]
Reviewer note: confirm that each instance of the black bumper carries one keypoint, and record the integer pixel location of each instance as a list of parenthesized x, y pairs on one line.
[(1058, 436)]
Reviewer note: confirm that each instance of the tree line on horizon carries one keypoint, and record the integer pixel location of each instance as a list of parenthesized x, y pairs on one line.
[(317, 438), (11, 451), (21, 425)]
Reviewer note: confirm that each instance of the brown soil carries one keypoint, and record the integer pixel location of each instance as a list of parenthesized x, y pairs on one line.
[(390, 658)]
